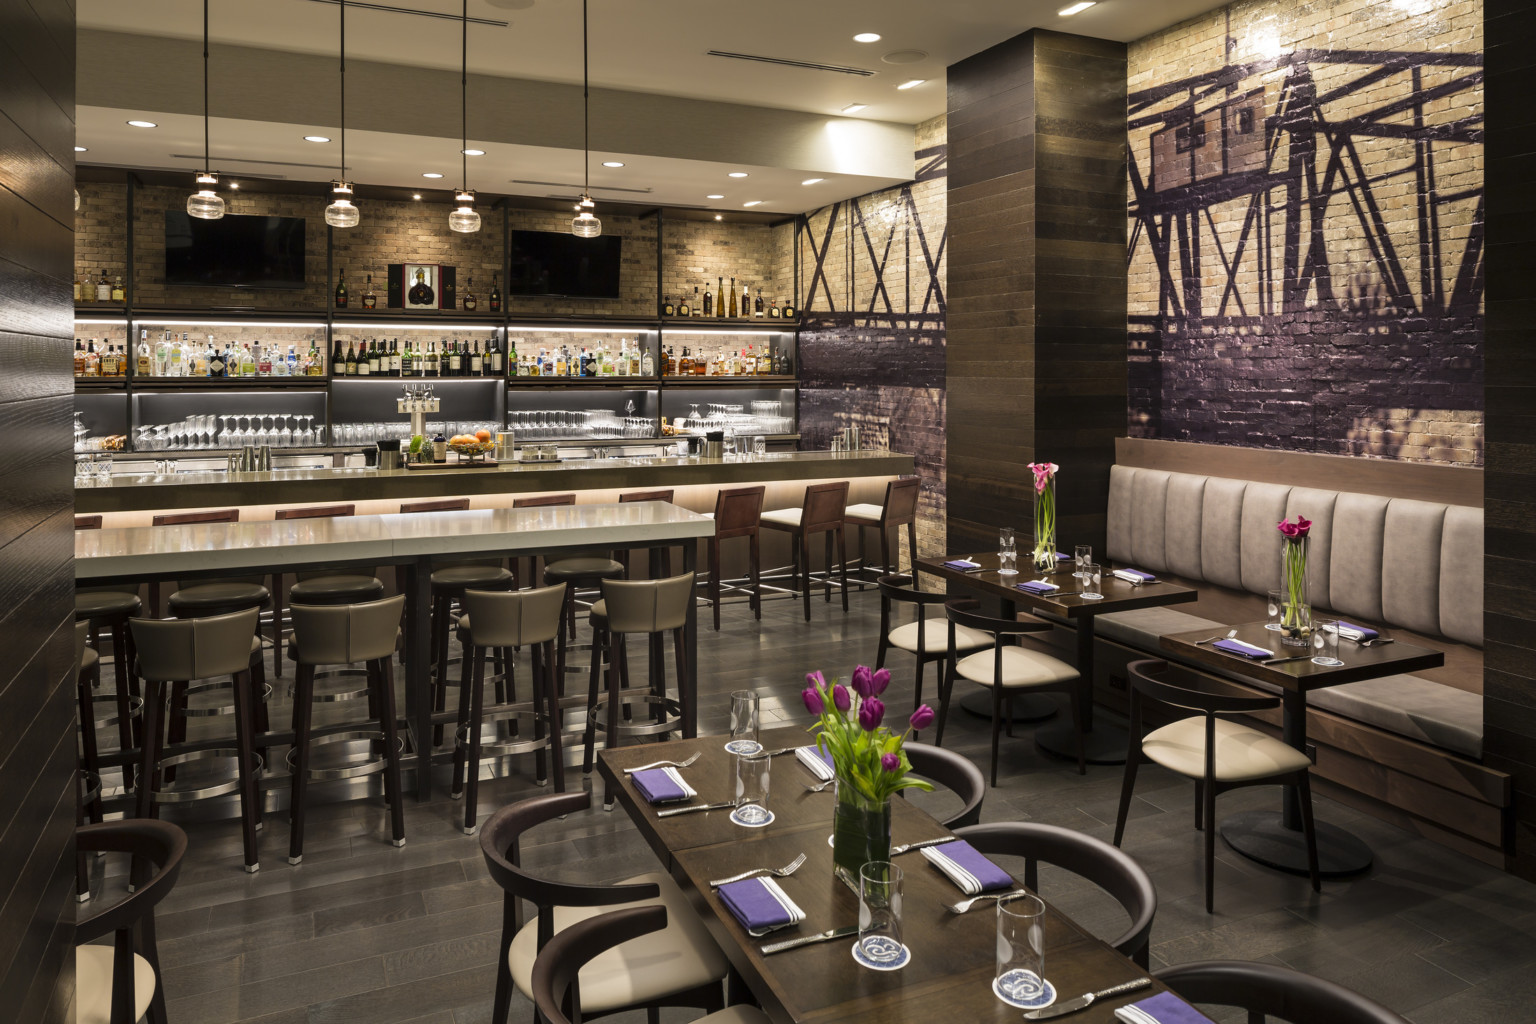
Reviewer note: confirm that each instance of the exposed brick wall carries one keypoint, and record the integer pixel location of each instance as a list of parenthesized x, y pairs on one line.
[(1306, 229), (696, 254), (101, 245)]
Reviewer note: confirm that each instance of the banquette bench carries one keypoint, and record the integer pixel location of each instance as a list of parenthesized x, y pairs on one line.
[(1407, 747)]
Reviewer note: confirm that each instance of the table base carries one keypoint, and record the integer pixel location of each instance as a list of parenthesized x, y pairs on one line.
[(1027, 707), (1262, 836), (1104, 744)]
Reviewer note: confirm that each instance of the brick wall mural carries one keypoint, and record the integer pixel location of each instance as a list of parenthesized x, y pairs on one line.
[(871, 278), (1306, 229)]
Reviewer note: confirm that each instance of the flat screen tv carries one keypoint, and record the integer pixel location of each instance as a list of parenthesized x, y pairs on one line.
[(234, 251), (553, 263)]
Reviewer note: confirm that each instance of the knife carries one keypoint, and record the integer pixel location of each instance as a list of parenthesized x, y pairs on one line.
[(1082, 1002), (696, 807), (904, 847), (806, 940), (1282, 661)]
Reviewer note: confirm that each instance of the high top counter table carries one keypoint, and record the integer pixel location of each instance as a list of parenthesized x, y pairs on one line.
[(141, 554)]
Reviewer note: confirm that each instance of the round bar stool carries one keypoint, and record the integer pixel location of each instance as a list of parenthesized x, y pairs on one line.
[(194, 600), (652, 607), (661, 558), (738, 513), (87, 670), (179, 651), (108, 609), (448, 586), (317, 587), (345, 634), (284, 514), (525, 569), (503, 621), (822, 512), (216, 515), (899, 509), (577, 572)]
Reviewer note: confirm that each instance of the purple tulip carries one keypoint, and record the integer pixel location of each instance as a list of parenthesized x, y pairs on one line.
[(862, 681), (890, 762), (879, 681), (871, 712), (840, 697), (814, 679), (812, 699), (922, 718)]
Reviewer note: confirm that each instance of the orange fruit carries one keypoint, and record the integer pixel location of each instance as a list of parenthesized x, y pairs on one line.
[(482, 435)]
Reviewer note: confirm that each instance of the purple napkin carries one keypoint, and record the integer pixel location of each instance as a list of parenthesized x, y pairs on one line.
[(967, 868), (1063, 557), (1350, 631), (1038, 587), (760, 905), (962, 564), (661, 785), (1163, 1008), (1240, 648)]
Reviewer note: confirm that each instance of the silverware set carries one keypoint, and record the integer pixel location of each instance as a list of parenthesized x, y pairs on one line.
[(1210, 640), (783, 872), (663, 764), (1001, 897)]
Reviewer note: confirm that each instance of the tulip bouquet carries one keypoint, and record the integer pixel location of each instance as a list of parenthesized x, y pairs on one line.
[(1044, 557), (1296, 615)]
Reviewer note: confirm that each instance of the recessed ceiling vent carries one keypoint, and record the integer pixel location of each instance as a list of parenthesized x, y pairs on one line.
[(785, 61), (250, 160), (577, 187)]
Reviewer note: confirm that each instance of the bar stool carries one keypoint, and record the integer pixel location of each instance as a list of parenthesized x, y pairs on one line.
[(179, 651), (738, 513), (822, 512), (576, 572), (503, 621), (111, 607), (87, 670), (448, 585), (311, 512), (898, 510), (663, 557), (217, 515), (531, 576), (652, 607), (411, 508), (345, 634)]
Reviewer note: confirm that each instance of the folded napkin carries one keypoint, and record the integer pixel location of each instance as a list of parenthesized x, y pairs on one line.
[(1163, 1008), (1350, 631), (1062, 556), (817, 760), (1038, 587), (1134, 575), (962, 563), (662, 786), (760, 905), (1246, 650), (968, 869)]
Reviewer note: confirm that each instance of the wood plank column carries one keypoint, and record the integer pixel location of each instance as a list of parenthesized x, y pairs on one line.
[(1036, 352)]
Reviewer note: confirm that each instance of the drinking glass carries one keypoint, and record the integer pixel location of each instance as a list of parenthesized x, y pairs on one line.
[(1276, 605), (1007, 552), (879, 944), (1093, 582), (744, 723), (760, 446), (752, 772), (1325, 640), (1020, 976), (1082, 556)]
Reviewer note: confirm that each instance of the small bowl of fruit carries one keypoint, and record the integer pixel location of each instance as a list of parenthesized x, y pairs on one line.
[(471, 447)]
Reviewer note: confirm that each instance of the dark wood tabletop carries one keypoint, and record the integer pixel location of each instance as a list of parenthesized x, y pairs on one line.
[(1119, 596), (1301, 676)]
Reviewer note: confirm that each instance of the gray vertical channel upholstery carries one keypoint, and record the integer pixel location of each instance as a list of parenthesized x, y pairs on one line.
[(1354, 571), (1316, 505), (1263, 508), (1461, 575), (1122, 481), (1186, 501), (1149, 498), (1410, 564), (1221, 530)]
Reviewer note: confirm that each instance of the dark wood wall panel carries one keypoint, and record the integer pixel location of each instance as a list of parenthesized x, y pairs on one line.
[(37, 716), (1037, 282), (1509, 685)]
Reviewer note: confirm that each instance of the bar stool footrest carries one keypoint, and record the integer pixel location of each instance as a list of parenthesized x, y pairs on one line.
[(227, 786), (355, 770), (216, 710), (672, 721), (135, 709), (328, 696)]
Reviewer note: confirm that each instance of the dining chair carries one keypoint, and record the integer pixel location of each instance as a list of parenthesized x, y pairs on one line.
[(556, 992), (1112, 870), (956, 773), (119, 984), (1217, 753), (1269, 990), (927, 638), (677, 966), (1005, 669)]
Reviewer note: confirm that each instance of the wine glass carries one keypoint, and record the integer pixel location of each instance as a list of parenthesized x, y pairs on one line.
[(284, 432)]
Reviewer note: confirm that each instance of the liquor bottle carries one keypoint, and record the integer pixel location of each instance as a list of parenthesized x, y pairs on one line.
[(696, 309), (709, 300), (720, 303), (669, 368), (364, 367), (103, 288), (497, 367), (338, 361), (476, 363), (79, 289), (667, 309), (117, 289), (635, 363), (263, 356), (79, 358), (647, 364), (421, 293), (216, 365), (370, 300), (732, 313), (176, 358), (107, 360), (291, 361), (789, 310), (316, 367), (351, 369), (495, 293), (685, 364), (455, 361), (142, 362), (757, 305), (471, 302), (773, 307), (92, 359), (247, 362), (341, 288)]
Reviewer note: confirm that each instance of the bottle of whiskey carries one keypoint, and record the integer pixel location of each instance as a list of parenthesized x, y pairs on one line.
[(709, 300), (669, 368), (698, 310), (370, 300), (495, 293), (103, 288), (79, 290), (667, 309), (682, 305), (471, 302), (789, 310), (316, 366), (773, 307), (117, 289), (341, 288), (79, 359), (141, 363), (757, 305), (685, 364), (720, 302)]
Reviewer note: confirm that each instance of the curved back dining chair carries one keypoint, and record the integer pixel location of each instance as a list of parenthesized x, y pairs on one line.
[(1268, 990), (956, 773)]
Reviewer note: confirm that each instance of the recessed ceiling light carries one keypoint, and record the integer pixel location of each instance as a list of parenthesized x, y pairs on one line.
[(1077, 8), (737, 174), (813, 181), (416, 195), (719, 217), (913, 84), (142, 124), (867, 37), (613, 163), (714, 196), (474, 152), (753, 202), (317, 138), (80, 149), (854, 108), (431, 174)]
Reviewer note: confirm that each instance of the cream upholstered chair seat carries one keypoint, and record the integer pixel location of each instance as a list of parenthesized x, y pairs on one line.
[(1022, 667), (1241, 753), (783, 516), (863, 511), (93, 984), (935, 633), (680, 957)]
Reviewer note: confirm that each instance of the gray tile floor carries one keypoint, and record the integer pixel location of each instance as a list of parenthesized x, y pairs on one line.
[(365, 932)]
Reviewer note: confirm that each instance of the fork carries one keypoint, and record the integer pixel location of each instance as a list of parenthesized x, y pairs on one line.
[(1230, 634), (783, 872), (663, 764), (964, 905), (819, 786)]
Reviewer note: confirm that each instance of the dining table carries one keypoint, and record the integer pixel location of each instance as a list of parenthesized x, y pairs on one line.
[(1103, 743), (953, 960), (1274, 838), (416, 543)]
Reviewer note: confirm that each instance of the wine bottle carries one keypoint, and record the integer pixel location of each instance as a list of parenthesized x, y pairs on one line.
[(476, 363), (495, 293), (733, 299), (351, 360), (364, 365), (338, 361), (497, 367), (370, 300), (341, 288), (709, 301), (375, 364), (720, 298), (757, 305)]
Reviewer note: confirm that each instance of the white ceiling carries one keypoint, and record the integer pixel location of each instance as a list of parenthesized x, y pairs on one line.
[(657, 48)]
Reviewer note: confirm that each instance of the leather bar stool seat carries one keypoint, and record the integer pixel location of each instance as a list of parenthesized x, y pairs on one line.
[(95, 605), (206, 599), (107, 610), (898, 510), (577, 571), (477, 577), (448, 585), (336, 590)]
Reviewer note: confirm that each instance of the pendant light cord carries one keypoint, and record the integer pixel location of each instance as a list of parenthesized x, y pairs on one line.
[(586, 129), (464, 96), (205, 87), (343, 6)]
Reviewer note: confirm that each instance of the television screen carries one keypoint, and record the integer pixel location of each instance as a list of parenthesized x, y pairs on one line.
[(552, 263), (234, 251)]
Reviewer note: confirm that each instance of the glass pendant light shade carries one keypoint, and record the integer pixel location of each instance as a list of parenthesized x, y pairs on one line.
[(341, 213), (464, 219), (205, 204), (586, 225)]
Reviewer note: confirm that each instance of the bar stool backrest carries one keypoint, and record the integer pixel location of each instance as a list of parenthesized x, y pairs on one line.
[(540, 500), (340, 634), (738, 511), (665, 495), (441, 505), (647, 606), (82, 636), (316, 512), (180, 650), (213, 515), (514, 618), (901, 501), (824, 506), (87, 522)]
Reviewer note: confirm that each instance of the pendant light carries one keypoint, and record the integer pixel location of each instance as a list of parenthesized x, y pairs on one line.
[(464, 219), (585, 224), (205, 204), (341, 213)]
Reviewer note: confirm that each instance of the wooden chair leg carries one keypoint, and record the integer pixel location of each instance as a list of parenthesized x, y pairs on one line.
[(472, 741), (589, 738), (912, 546), (684, 680), (245, 745), (755, 567), (465, 723), (544, 679), (1210, 845), (384, 672), (149, 745), (714, 579), (303, 710), (1127, 785), (826, 594), (885, 551)]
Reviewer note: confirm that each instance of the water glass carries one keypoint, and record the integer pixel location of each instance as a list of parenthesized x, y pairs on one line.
[(880, 943), (1020, 976), (1007, 552), (744, 723), (1082, 557), (1276, 607), (752, 777), (1325, 641), (1093, 582)]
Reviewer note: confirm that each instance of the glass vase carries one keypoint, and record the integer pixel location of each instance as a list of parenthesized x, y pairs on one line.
[(861, 831), (1295, 611), (1044, 556)]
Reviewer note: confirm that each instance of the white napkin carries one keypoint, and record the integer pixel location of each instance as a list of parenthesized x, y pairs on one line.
[(790, 907), (677, 777), (811, 758), (1129, 577)]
